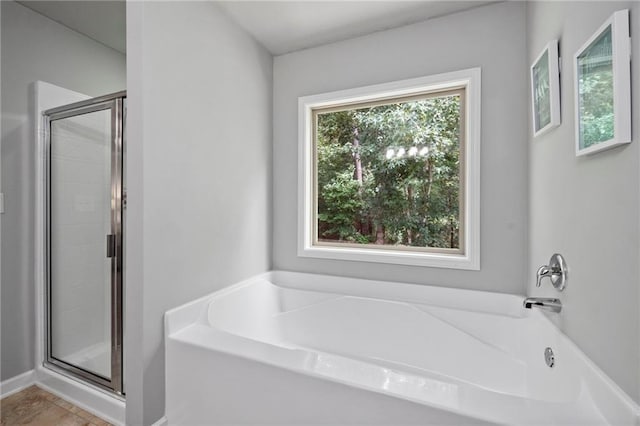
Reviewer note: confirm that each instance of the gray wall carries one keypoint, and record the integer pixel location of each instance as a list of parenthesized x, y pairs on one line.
[(587, 208), (489, 37), (34, 48), (199, 167)]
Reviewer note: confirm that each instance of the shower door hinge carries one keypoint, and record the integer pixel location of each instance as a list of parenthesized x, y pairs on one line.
[(111, 245)]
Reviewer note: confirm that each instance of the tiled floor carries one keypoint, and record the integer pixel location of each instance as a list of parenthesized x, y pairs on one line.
[(34, 406)]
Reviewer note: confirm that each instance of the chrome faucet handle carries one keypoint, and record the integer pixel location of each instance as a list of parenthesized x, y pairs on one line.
[(543, 272), (557, 272)]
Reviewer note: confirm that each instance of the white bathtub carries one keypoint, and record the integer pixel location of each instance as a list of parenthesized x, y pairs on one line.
[(290, 348)]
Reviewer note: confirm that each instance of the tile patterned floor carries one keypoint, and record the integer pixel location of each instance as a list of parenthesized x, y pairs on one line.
[(34, 406)]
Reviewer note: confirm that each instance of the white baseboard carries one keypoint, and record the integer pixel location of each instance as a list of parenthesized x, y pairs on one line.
[(98, 402), (17, 383), (162, 421)]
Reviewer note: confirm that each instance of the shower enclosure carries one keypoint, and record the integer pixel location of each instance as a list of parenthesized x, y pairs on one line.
[(83, 239)]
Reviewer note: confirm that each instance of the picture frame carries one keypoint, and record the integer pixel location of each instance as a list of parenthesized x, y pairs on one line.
[(602, 78), (545, 90)]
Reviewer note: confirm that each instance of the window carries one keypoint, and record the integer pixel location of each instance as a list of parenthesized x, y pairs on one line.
[(390, 173)]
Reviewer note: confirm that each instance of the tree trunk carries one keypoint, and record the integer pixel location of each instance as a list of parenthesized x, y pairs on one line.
[(429, 177), (363, 226), (379, 234), (408, 213), (356, 157), (451, 230), (359, 222), (452, 236)]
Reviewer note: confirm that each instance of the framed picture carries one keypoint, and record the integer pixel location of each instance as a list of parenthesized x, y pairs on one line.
[(603, 87), (545, 90)]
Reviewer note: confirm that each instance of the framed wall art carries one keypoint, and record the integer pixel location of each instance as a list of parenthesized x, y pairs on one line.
[(545, 90), (602, 76)]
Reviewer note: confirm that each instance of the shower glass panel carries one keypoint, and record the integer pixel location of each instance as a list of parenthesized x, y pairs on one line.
[(80, 219), (84, 253)]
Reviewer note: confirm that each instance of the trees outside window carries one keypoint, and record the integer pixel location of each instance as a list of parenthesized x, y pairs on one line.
[(389, 173)]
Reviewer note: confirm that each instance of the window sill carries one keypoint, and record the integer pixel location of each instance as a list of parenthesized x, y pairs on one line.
[(412, 258)]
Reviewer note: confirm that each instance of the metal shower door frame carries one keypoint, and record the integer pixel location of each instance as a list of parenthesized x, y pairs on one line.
[(114, 103)]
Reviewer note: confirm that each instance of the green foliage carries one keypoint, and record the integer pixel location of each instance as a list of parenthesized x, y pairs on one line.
[(595, 73), (596, 107), (367, 195), (339, 205)]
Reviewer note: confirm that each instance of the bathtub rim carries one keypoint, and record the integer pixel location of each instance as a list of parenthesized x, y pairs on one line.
[(357, 287), (192, 312)]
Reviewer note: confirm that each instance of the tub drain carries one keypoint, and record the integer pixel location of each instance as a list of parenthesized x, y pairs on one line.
[(549, 357)]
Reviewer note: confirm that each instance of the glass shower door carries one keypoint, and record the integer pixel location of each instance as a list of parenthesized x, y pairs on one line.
[(85, 241)]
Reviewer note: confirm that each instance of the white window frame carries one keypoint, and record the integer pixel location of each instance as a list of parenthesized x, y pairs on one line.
[(469, 79)]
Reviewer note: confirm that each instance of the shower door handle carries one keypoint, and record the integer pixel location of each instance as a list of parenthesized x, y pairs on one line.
[(111, 245)]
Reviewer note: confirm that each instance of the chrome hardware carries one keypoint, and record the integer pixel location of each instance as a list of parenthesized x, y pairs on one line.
[(557, 271), (549, 357), (553, 305), (111, 245)]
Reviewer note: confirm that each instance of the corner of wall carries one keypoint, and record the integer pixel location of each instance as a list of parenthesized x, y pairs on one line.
[(134, 256)]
